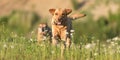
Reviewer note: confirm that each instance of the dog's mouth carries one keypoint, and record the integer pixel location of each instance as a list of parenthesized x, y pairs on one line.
[(57, 22)]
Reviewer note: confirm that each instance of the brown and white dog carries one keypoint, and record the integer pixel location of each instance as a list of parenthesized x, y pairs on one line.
[(44, 32), (62, 24)]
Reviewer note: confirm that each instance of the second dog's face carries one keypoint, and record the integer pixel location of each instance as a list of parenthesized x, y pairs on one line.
[(42, 27), (59, 15)]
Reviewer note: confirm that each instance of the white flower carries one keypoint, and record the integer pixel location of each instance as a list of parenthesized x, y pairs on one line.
[(32, 32), (108, 40), (88, 46), (95, 54), (71, 34), (116, 43), (5, 46), (72, 31), (12, 46), (31, 40), (112, 42), (115, 39), (52, 52), (41, 45)]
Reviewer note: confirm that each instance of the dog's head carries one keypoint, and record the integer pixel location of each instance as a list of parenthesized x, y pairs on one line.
[(43, 27), (59, 15)]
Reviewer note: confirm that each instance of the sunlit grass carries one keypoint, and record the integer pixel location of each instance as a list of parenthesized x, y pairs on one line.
[(27, 49)]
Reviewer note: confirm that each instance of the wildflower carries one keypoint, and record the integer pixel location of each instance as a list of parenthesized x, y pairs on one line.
[(112, 42), (32, 32), (5, 46), (115, 39), (116, 43), (71, 34), (95, 54), (88, 46), (41, 45), (12, 46), (52, 52), (72, 31), (108, 40), (31, 40)]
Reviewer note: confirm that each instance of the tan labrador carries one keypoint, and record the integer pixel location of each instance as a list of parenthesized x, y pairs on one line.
[(62, 24)]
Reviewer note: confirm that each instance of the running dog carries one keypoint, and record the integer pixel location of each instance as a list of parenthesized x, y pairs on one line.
[(61, 25), (44, 32)]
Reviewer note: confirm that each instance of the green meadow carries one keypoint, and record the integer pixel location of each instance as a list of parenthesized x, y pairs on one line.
[(93, 38)]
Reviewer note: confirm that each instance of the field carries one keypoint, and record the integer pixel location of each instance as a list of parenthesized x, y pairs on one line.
[(95, 37), (18, 47)]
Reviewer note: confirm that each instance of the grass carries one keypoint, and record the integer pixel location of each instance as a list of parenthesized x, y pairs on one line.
[(30, 51), (18, 47)]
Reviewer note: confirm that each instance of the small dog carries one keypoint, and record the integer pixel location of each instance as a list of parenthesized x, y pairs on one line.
[(62, 24), (44, 32)]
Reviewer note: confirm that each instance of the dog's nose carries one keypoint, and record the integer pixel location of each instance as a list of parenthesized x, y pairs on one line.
[(59, 18)]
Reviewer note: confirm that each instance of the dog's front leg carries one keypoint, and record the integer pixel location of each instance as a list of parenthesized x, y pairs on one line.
[(54, 39), (68, 42), (68, 39)]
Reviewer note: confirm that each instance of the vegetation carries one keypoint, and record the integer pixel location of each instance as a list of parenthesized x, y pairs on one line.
[(92, 40)]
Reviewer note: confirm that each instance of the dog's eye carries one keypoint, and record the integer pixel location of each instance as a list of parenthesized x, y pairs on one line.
[(56, 13)]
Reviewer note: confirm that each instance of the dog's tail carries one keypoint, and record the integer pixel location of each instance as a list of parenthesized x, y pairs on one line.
[(76, 16)]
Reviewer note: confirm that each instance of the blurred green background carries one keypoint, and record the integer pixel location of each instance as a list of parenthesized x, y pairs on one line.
[(102, 20)]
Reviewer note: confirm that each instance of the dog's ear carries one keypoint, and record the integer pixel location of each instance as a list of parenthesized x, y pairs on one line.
[(52, 11), (68, 11)]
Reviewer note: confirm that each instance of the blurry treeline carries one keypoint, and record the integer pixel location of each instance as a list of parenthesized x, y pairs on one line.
[(103, 26)]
